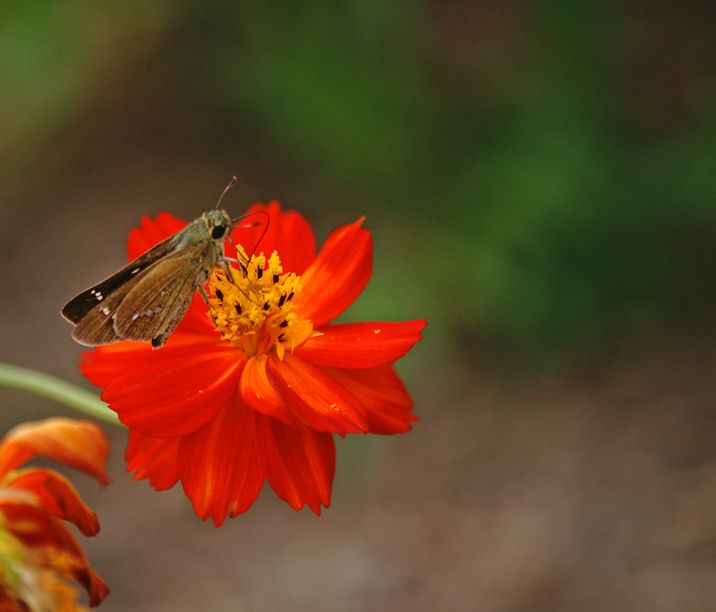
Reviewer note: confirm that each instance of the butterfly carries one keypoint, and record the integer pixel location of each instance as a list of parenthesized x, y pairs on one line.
[(148, 298)]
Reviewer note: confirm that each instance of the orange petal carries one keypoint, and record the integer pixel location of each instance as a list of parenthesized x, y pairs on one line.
[(78, 444), (382, 394), (315, 397), (174, 393), (337, 276), (258, 392), (219, 464), (58, 496), (105, 363), (361, 345), (153, 458), (97, 588), (300, 462), (35, 527)]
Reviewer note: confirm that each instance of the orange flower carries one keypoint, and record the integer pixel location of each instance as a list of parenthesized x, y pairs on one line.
[(32, 500), (256, 390)]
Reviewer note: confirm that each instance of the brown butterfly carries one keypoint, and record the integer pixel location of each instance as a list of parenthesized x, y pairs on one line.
[(148, 298)]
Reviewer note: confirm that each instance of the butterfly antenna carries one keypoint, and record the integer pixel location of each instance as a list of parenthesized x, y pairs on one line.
[(228, 188), (242, 266), (263, 233)]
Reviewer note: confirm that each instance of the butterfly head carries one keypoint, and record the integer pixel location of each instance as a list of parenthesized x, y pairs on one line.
[(218, 223)]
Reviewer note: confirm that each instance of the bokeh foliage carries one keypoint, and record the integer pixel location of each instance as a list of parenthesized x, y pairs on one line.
[(550, 173)]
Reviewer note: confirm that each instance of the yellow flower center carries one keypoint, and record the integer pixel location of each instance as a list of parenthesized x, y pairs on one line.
[(254, 307)]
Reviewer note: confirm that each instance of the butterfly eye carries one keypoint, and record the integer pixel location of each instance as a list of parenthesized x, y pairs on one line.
[(218, 232)]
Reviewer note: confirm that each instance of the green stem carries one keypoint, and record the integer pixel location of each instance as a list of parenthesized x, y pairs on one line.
[(56, 389)]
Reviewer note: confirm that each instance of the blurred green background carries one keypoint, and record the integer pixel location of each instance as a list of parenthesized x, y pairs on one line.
[(540, 181)]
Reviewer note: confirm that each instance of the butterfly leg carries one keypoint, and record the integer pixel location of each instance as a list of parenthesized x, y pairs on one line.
[(204, 294), (242, 267)]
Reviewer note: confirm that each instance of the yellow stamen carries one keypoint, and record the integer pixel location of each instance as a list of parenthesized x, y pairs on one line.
[(254, 307)]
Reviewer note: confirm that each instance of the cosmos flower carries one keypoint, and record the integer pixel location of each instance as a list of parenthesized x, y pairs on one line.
[(254, 389), (39, 556)]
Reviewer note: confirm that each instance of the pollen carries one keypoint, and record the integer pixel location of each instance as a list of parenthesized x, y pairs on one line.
[(253, 306)]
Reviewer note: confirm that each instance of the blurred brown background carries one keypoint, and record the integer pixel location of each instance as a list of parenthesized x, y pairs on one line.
[(540, 179)]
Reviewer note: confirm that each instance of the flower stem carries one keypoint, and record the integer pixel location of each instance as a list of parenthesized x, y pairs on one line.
[(56, 389)]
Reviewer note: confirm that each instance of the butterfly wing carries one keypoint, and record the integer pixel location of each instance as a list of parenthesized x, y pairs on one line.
[(77, 308), (150, 305), (97, 325), (160, 298)]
